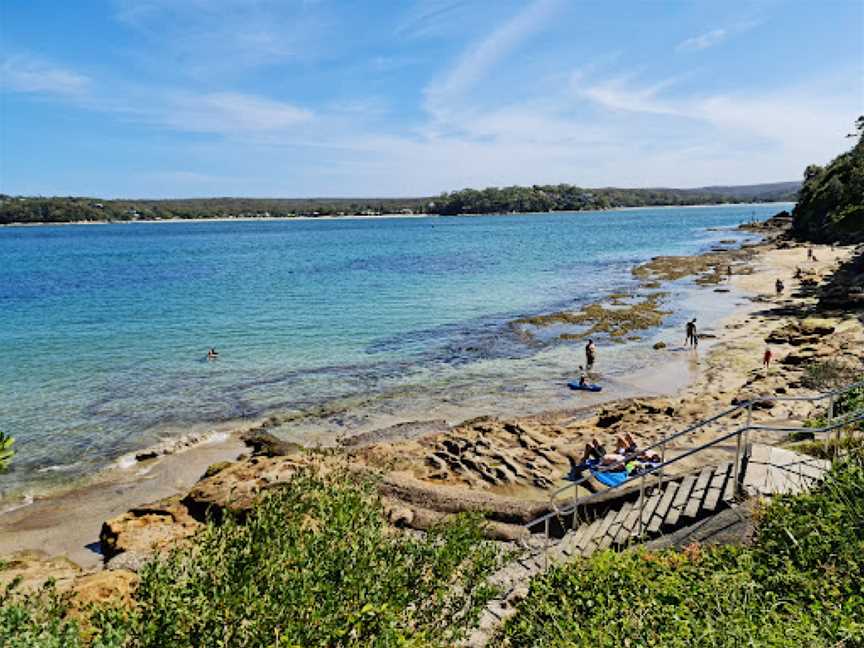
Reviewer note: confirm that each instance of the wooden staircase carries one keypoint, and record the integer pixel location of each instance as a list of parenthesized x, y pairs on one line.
[(670, 506)]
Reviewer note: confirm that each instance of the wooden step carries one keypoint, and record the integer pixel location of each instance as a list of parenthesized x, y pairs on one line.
[(607, 538), (684, 490), (576, 539), (603, 528), (629, 527), (694, 504), (663, 507), (650, 507), (715, 488)]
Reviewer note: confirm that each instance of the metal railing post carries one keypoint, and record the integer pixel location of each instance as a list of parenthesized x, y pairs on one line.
[(737, 465), (749, 423), (546, 546), (830, 421), (662, 470), (641, 502)]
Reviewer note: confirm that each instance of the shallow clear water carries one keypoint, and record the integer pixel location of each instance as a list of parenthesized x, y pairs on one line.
[(343, 323)]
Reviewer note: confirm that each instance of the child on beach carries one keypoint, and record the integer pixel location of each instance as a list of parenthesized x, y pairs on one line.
[(766, 358)]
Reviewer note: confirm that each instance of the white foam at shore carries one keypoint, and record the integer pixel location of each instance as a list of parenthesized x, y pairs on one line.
[(171, 447), (26, 500)]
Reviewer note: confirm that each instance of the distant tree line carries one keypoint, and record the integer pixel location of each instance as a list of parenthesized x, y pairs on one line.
[(565, 197), (536, 198), (831, 203), (26, 209)]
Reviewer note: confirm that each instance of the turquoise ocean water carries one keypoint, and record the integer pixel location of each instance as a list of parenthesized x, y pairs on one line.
[(335, 324)]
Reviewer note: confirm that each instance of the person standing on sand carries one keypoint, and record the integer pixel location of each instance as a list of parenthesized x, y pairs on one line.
[(809, 253), (778, 285), (766, 359), (691, 338), (590, 355)]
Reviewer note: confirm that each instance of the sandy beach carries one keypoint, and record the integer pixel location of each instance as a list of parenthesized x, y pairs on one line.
[(508, 465)]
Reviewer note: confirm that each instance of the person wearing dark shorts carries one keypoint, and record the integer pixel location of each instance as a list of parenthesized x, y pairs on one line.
[(590, 355)]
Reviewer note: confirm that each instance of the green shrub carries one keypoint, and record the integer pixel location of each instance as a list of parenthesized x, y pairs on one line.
[(825, 375), (799, 584), (6, 451), (36, 619), (314, 564)]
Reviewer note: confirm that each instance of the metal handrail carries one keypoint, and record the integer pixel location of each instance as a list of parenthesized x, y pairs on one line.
[(659, 469), (748, 405), (859, 416)]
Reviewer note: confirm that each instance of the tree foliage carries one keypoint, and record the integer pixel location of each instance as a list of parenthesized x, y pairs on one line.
[(565, 197), (314, 564), (831, 201), (562, 197)]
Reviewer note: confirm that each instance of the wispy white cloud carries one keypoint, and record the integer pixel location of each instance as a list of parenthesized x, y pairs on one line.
[(24, 73), (717, 36), (433, 18), (209, 39), (227, 113), (443, 95), (703, 41)]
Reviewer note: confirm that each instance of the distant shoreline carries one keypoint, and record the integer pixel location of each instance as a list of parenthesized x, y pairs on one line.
[(223, 219)]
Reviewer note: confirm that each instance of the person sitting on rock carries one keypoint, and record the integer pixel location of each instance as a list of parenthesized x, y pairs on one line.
[(596, 455), (626, 445)]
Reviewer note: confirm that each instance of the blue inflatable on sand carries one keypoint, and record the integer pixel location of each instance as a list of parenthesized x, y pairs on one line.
[(585, 387)]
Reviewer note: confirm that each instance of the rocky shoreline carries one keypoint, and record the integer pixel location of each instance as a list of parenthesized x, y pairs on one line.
[(508, 468)]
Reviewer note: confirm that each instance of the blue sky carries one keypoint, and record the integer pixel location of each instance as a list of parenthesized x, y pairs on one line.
[(162, 98)]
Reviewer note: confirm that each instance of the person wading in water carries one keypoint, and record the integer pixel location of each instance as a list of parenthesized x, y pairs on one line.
[(691, 338), (590, 355)]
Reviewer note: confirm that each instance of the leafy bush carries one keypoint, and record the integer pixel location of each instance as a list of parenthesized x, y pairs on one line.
[(829, 374), (314, 564), (6, 451), (36, 619), (799, 584), (846, 405)]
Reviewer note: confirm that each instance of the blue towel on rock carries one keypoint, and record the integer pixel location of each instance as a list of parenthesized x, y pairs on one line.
[(610, 478)]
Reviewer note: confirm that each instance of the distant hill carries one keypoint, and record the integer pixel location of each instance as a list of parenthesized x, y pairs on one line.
[(535, 198), (768, 192)]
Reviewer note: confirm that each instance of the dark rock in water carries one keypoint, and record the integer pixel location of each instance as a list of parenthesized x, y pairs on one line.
[(659, 345), (721, 290), (264, 444), (144, 455)]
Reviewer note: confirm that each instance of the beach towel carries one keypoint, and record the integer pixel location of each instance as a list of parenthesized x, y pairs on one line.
[(610, 478)]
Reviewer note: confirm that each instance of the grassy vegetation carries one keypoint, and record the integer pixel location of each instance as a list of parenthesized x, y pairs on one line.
[(313, 565), (799, 584)]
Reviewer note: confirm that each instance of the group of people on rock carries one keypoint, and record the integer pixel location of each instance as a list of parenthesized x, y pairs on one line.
[(626, 457)]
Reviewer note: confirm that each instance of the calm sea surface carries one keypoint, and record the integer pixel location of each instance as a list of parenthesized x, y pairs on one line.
[(336, 325)]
